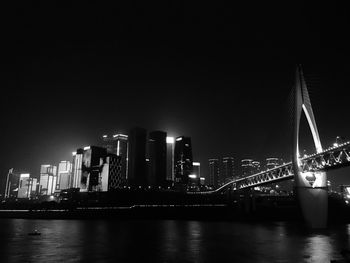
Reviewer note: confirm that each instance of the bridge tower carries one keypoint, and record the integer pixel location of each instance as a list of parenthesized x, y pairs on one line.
[(311, 187)]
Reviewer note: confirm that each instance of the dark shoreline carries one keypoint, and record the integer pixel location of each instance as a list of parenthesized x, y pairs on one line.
[(263, 210)]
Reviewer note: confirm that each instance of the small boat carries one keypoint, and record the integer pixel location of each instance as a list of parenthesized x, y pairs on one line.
[(34, 233)]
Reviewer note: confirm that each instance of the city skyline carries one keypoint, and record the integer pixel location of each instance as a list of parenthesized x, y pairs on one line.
[(216, 78)]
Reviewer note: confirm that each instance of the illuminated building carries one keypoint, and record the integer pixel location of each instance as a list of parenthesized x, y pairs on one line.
[(92, 163), (64, 175), (48, 179), (196, 169), (25, 186), (137, 173), (87, 166), (257, 167), (183, 160), (77, 168), (170, 159), (157, 150), (194, 178), (228, 170), (272, 163), (214, 172), (247, 167), (112, 177), (118, 145), (12, 182)]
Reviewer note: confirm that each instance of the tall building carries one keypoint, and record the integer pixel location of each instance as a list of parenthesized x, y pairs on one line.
[(196, 169), (48, 179), (214, 172), (272, 163), (27, 186), (137, 173), (12, 183), (112, 177), (158, 158), (87, 166), (247, 167), (183, 160), (170, 141), (64, 175), (118, 145), (77, 165), (194, 178), (256, 167), (228, 170)]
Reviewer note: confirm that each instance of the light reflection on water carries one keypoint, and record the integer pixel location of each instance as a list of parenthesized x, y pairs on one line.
[(167, 241)]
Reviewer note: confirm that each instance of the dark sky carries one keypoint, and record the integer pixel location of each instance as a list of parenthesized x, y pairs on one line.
[(220, 74)]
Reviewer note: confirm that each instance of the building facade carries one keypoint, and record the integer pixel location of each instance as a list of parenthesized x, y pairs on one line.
[(64, 175), (247, 167), (118, 144), (183, 160), (12, 184), (228, 170), (272, 163), (214, 173), (170, 141), (48, 179), (157, 154), (137, 169), (87, 166), (112, 177)]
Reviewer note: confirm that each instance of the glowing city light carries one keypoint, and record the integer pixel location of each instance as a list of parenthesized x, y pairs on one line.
[(170, 140), (192, 176), (87, 148), (196, 164)]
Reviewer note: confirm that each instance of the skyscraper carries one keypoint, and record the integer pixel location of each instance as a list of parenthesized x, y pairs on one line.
[(118, 145), (24, 188), (48, 179), (12, 182), (247, 167), (183, 159), (214, 172), (87, 168), (158, 159), (137, 174), (111, 174), (256, 167), (63, 176), (170, 159), (228, 170), (194, 177), (77, 165), (272, 163), (92, 164), (27, 186)]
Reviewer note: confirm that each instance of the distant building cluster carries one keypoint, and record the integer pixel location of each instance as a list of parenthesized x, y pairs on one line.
[(222, 171), (139, 160)]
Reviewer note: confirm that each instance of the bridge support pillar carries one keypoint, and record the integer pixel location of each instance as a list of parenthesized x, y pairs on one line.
[(249, 201), (314, 206), (311, 186)]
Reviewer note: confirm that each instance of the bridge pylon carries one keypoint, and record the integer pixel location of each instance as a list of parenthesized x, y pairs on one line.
[(311, 187)]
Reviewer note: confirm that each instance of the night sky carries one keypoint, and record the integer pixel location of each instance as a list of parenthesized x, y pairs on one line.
[(222, 75)]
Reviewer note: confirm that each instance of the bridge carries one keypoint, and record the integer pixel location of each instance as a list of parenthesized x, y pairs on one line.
[(331, 158), (308, 172)]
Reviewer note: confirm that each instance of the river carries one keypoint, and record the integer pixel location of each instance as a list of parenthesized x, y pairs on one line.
[(167, 241)]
